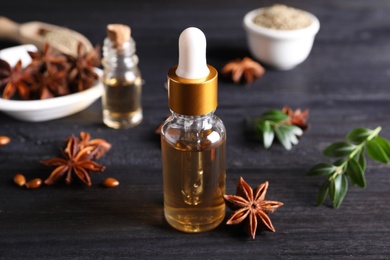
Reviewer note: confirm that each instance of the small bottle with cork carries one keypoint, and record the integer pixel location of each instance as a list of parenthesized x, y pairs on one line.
[(121, 99), (193, 141)]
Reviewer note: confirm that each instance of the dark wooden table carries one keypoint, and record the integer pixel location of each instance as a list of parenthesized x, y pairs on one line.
[(344, 83)]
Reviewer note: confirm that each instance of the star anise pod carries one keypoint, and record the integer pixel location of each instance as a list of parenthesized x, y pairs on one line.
[(81, 73), (14, 80), (250, 205), (42, 60), (297, 117), (75, 160), (100, 146), (245, 70), (4, 140), (51, 83)]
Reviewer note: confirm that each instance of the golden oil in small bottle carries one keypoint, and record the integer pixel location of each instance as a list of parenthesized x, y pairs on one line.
[(121, 99), (193, 141)]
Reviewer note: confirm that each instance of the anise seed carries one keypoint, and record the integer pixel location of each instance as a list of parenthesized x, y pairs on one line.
[(19, 179), (34, 183), (110, 182), (4, 140)]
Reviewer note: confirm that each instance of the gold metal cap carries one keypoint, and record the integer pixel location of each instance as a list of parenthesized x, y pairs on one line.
[(193, 97)]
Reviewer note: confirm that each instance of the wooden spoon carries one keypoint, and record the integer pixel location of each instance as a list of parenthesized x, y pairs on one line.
[(37, 33)]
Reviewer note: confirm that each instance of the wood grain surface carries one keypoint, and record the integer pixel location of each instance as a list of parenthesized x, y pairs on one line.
[(344, 83)]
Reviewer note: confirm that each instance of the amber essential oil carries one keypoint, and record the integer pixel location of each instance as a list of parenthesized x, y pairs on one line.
[(193, 141), (194, 185), (121, 98), (122, 103)]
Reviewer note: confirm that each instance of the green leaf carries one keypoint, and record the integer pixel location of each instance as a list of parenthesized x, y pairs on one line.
[(321, 169), (287, 135), (376, 152), (338, 189), (323, 192), (340, 162), (295, 130), (290, 131), (283, 137), (356, 173), (264, 132), (339, 149), (275, 116), (362, 160), (359, 135), (268, 134), (384, 143), (257, 125)]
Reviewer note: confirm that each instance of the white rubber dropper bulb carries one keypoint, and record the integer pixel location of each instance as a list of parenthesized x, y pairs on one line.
[(192, 54)]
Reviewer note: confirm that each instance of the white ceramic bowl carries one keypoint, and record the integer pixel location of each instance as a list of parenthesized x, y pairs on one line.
[(47, 109), (281, 49)]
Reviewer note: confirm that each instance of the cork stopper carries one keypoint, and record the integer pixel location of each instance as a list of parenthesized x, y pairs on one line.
[(118, 34)]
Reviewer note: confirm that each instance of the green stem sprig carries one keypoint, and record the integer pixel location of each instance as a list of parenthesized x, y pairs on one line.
[(351, 163), (274, 123)]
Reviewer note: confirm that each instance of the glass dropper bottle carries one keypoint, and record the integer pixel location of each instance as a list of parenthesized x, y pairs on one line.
[(193, 141), (121, 99)]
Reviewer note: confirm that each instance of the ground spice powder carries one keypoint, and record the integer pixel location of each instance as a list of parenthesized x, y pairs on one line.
[(282, 17)]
